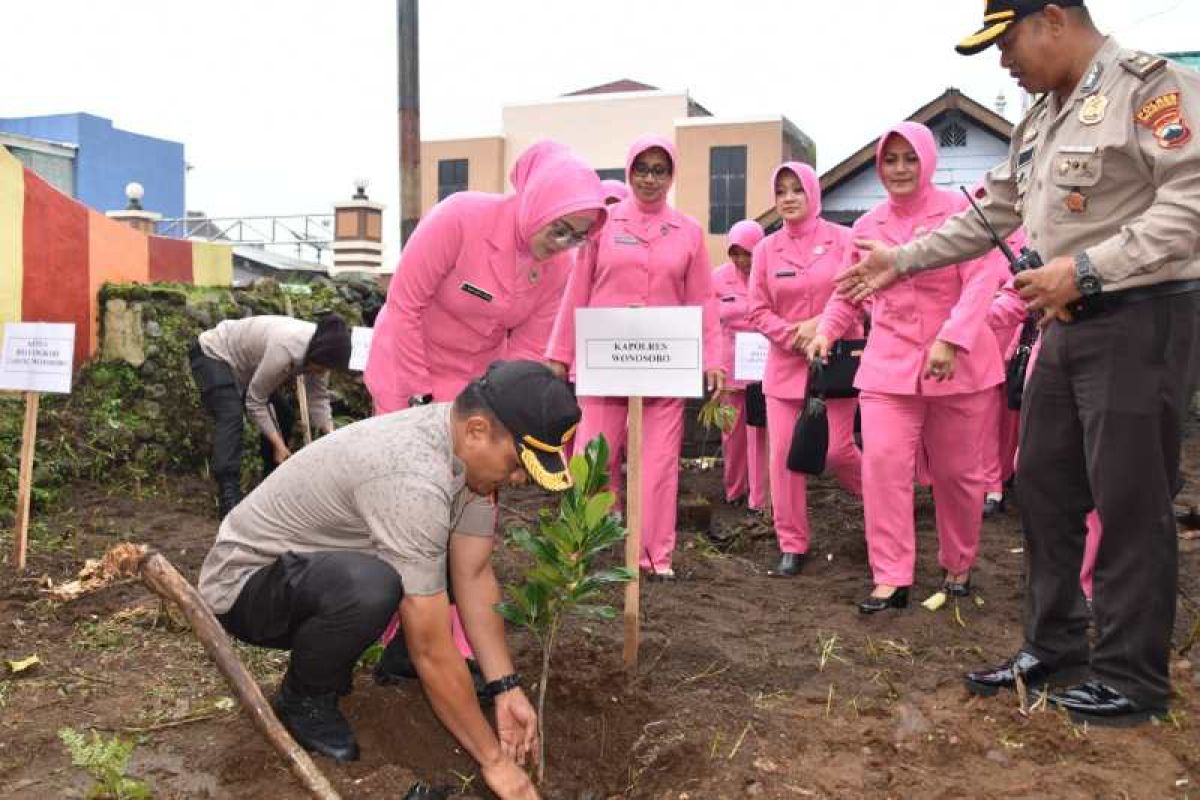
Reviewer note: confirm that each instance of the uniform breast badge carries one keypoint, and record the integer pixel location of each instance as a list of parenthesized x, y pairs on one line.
[(1093, 110), (1164, 117), (1077, 202)]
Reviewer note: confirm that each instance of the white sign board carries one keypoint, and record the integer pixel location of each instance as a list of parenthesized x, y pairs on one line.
[(360, 345), (37, 356), (749, 356), (639, 352)]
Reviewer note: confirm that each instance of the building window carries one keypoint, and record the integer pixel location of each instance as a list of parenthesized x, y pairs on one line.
[(452, 177), (617, 174), (953, 135), (726, 188)]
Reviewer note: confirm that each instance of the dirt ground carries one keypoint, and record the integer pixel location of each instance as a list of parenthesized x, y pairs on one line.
[(748, 686)]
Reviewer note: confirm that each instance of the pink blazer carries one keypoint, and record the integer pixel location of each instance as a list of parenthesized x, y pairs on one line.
[(463, 297), (640, 260), (950, 304), (791, 281), (731, 290)]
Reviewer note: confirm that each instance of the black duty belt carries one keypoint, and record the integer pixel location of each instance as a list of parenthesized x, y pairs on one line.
[(1103, 303)]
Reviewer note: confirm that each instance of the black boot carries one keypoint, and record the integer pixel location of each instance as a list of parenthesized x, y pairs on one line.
[(395, 666), (790, 565), (316, 723), (229, 494)]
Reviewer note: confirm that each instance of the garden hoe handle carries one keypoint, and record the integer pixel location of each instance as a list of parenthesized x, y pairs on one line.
[(165, 581)]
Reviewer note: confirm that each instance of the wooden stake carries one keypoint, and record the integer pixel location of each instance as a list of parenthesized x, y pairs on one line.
[(301, 389), (164, 580), (25, 479), (633, 537)]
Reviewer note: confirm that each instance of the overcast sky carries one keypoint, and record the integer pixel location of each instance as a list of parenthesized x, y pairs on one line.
[(281, 104)]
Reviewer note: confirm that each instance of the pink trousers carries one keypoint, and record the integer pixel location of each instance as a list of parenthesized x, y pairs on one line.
[(662, 436), (789, 490), (949, 429), (744, 450), (1000, 428)]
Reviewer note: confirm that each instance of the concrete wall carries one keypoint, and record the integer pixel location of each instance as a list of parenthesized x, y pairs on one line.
[(765, 149), (108, 158), (485, 165), (957, 166), (598, 127), (56, 253)]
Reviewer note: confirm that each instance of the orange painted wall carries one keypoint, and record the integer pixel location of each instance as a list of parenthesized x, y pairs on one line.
[(117, 254)]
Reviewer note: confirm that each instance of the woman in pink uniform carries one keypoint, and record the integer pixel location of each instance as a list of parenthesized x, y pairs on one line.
[(790, 283), (648, 254), (744, 449), (925, 379), (1008, 309), (1001, 423), (481, 278)]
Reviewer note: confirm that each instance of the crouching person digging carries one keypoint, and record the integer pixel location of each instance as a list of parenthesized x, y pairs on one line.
[(317, 557)]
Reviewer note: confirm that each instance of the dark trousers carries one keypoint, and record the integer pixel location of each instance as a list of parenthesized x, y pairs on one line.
[(221, 398), (325, 607), (1102, 427)]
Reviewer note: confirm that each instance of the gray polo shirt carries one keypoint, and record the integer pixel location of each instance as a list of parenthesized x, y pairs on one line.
[(390, 486), (265, 353)]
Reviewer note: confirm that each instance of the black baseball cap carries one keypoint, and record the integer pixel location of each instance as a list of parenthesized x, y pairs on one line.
[(999, 16), (539, 411)]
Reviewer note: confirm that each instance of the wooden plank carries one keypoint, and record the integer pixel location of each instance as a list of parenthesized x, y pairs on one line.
[(25, 480), (633, 538)]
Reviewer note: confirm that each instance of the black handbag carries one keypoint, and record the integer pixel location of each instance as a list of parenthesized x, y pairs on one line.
[(756, 406), (810, 437), (1015, 372), (835, 379)]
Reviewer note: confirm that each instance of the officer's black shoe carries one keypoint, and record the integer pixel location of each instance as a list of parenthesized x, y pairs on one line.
[(737, 502), (873, 605), (993, 507), (1034, 673), (395, 666), (316, 723), (229, 494), (790, 565), (423, 791), (1098, 703)]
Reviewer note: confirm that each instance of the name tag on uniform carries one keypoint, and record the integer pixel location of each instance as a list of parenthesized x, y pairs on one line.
[(787, 273), (482, 294), (627, 239), (729, 299), (1079, 149), (1024, 157)]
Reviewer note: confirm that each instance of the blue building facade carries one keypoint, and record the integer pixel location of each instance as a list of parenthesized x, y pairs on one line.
[(107, 158)]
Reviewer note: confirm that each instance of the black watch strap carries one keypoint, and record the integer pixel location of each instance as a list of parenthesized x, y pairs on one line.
[(420, 400), (502, 685)]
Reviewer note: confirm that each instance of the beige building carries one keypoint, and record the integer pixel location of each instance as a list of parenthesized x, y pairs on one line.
[(725, 164)]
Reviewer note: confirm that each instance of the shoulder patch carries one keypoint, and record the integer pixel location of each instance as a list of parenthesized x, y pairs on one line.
[(1143, 65)]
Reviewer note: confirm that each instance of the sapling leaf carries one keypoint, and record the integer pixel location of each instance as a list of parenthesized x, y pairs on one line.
[(597, 508)]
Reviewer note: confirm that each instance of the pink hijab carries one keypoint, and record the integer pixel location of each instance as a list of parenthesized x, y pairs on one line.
[(922, 141), (641, 145), (745, 234), (614, 190), (802, 228), (552, 182)]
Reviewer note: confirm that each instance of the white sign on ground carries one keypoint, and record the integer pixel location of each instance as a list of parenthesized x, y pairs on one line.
[(360, 345), (37, 356), (749, 356), (639, 352)]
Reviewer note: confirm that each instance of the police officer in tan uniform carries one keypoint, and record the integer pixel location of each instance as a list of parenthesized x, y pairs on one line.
[(1104, 172)]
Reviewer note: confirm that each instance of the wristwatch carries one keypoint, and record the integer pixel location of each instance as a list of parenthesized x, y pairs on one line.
[(501, 685), (420, 400), (1086, 279)]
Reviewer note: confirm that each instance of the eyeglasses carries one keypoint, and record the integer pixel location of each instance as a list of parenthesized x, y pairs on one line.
[(644, 170), (563, 236)]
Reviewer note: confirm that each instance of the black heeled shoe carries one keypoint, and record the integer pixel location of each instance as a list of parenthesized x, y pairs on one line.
[(790, 565), (955, 589), (873, 605)]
